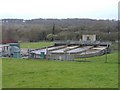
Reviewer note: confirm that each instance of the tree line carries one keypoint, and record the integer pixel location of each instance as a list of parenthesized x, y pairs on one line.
[(57, 29)]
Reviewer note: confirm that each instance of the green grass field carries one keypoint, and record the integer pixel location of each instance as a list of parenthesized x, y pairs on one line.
[(0, 73), (44, 73), (35, 44), (19, 73)]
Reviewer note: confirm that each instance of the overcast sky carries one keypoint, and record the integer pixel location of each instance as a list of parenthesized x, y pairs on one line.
[(31, 9)]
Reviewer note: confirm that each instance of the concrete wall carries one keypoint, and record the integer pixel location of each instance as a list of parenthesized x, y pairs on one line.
[(60, 57)]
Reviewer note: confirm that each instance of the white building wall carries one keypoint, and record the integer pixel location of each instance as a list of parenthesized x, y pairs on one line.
[(89, 37)]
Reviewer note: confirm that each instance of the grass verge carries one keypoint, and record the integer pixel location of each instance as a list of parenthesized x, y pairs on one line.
[(19, 73)]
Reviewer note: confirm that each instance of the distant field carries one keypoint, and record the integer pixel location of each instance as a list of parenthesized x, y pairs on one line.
[(43, 73), (114, 46), (35, 44)]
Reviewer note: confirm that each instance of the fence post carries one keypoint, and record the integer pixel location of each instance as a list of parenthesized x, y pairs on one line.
[(105, 55)]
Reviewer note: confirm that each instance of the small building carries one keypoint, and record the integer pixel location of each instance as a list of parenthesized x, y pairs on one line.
[(89, 37), (10, 50)]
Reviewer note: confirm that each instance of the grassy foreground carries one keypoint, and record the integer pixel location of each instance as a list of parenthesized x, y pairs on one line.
[(50, 74), (0, 73)]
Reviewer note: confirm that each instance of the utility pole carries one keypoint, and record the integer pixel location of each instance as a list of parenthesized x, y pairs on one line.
[(85, 55)]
